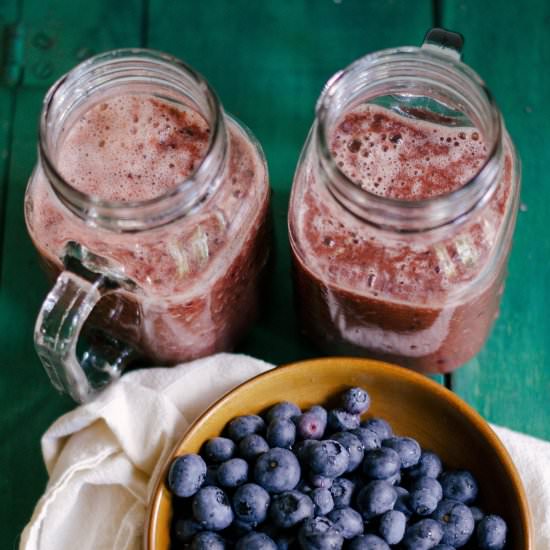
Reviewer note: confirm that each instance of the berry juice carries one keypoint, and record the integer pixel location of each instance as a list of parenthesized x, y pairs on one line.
[(423, 300), (197, 277)]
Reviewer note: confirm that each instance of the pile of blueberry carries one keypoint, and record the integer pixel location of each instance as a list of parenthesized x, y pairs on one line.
[(323, 480)]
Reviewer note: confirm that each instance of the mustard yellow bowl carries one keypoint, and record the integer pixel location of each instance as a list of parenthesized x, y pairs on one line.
[(413, 404)]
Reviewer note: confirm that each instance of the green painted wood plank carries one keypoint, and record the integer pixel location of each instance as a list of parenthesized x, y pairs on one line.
[(8, 12), (268, 62), (70, 31), (29, 405), (8, 18), (507, 43), (60, 34)]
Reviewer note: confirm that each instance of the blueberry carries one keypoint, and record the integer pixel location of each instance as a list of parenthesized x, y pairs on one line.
[(491, 533), (211, 509), (319, 534), (457, 520), (422, 502), (381, 463), (347, 521), (340, 420), (277, 470), (207, 540), (310, 504), (425, 494), (218, 449), (342, 492), (241, 426), (423, 535), (256, 541), (318, 481), (282, 410), (252, 446), (429, 465), (250, 503), (322, 501), (368, 438), (281, 432), (476, 513), (375, 498), (407, 448), (459, 485), (312, 424), (392, 526), (328, 458), (233, 472), (290, 508), (355, 400), (402, 502), (319, 411), (185, 529), (186, 475), (367, 542), (353, 446), (379, 426)]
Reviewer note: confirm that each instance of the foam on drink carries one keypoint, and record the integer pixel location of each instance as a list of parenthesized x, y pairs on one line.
[(132, 148), (392, 156)]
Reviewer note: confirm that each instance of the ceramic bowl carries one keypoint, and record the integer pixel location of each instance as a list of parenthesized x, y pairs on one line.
[(413, 404)]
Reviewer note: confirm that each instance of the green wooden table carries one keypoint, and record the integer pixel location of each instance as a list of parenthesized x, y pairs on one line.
[(268, 61)]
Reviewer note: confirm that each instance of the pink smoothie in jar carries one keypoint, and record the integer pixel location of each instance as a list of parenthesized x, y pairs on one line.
[(194, 279), (381, 268)]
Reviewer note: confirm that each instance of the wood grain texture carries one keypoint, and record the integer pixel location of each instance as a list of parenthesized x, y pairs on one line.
[(8, 445), (8, 19), (58, 35), (268, 62), (508, 44)]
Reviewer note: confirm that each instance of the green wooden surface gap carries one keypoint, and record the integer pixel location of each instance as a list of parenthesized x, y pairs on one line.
[(437, 12), (144, 29)]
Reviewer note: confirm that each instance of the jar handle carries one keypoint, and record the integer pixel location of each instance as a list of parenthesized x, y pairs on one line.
[(59, 324), (444, 42)]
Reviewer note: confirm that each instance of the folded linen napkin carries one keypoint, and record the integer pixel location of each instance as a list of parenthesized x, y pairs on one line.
[(102, 457)]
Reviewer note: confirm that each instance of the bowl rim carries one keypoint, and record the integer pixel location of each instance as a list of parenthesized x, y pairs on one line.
[(153, 505)]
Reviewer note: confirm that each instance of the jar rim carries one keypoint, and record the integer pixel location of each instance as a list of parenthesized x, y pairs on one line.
[(123, 213), (401, 215)]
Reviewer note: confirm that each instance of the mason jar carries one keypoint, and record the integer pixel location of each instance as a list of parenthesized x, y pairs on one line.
[(402, 209), (148, 208)]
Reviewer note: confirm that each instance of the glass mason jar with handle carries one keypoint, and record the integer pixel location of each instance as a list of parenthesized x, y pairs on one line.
[(149, 208), (403, 208)]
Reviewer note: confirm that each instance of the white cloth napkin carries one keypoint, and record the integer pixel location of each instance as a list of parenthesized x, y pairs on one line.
[(102, 457)]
